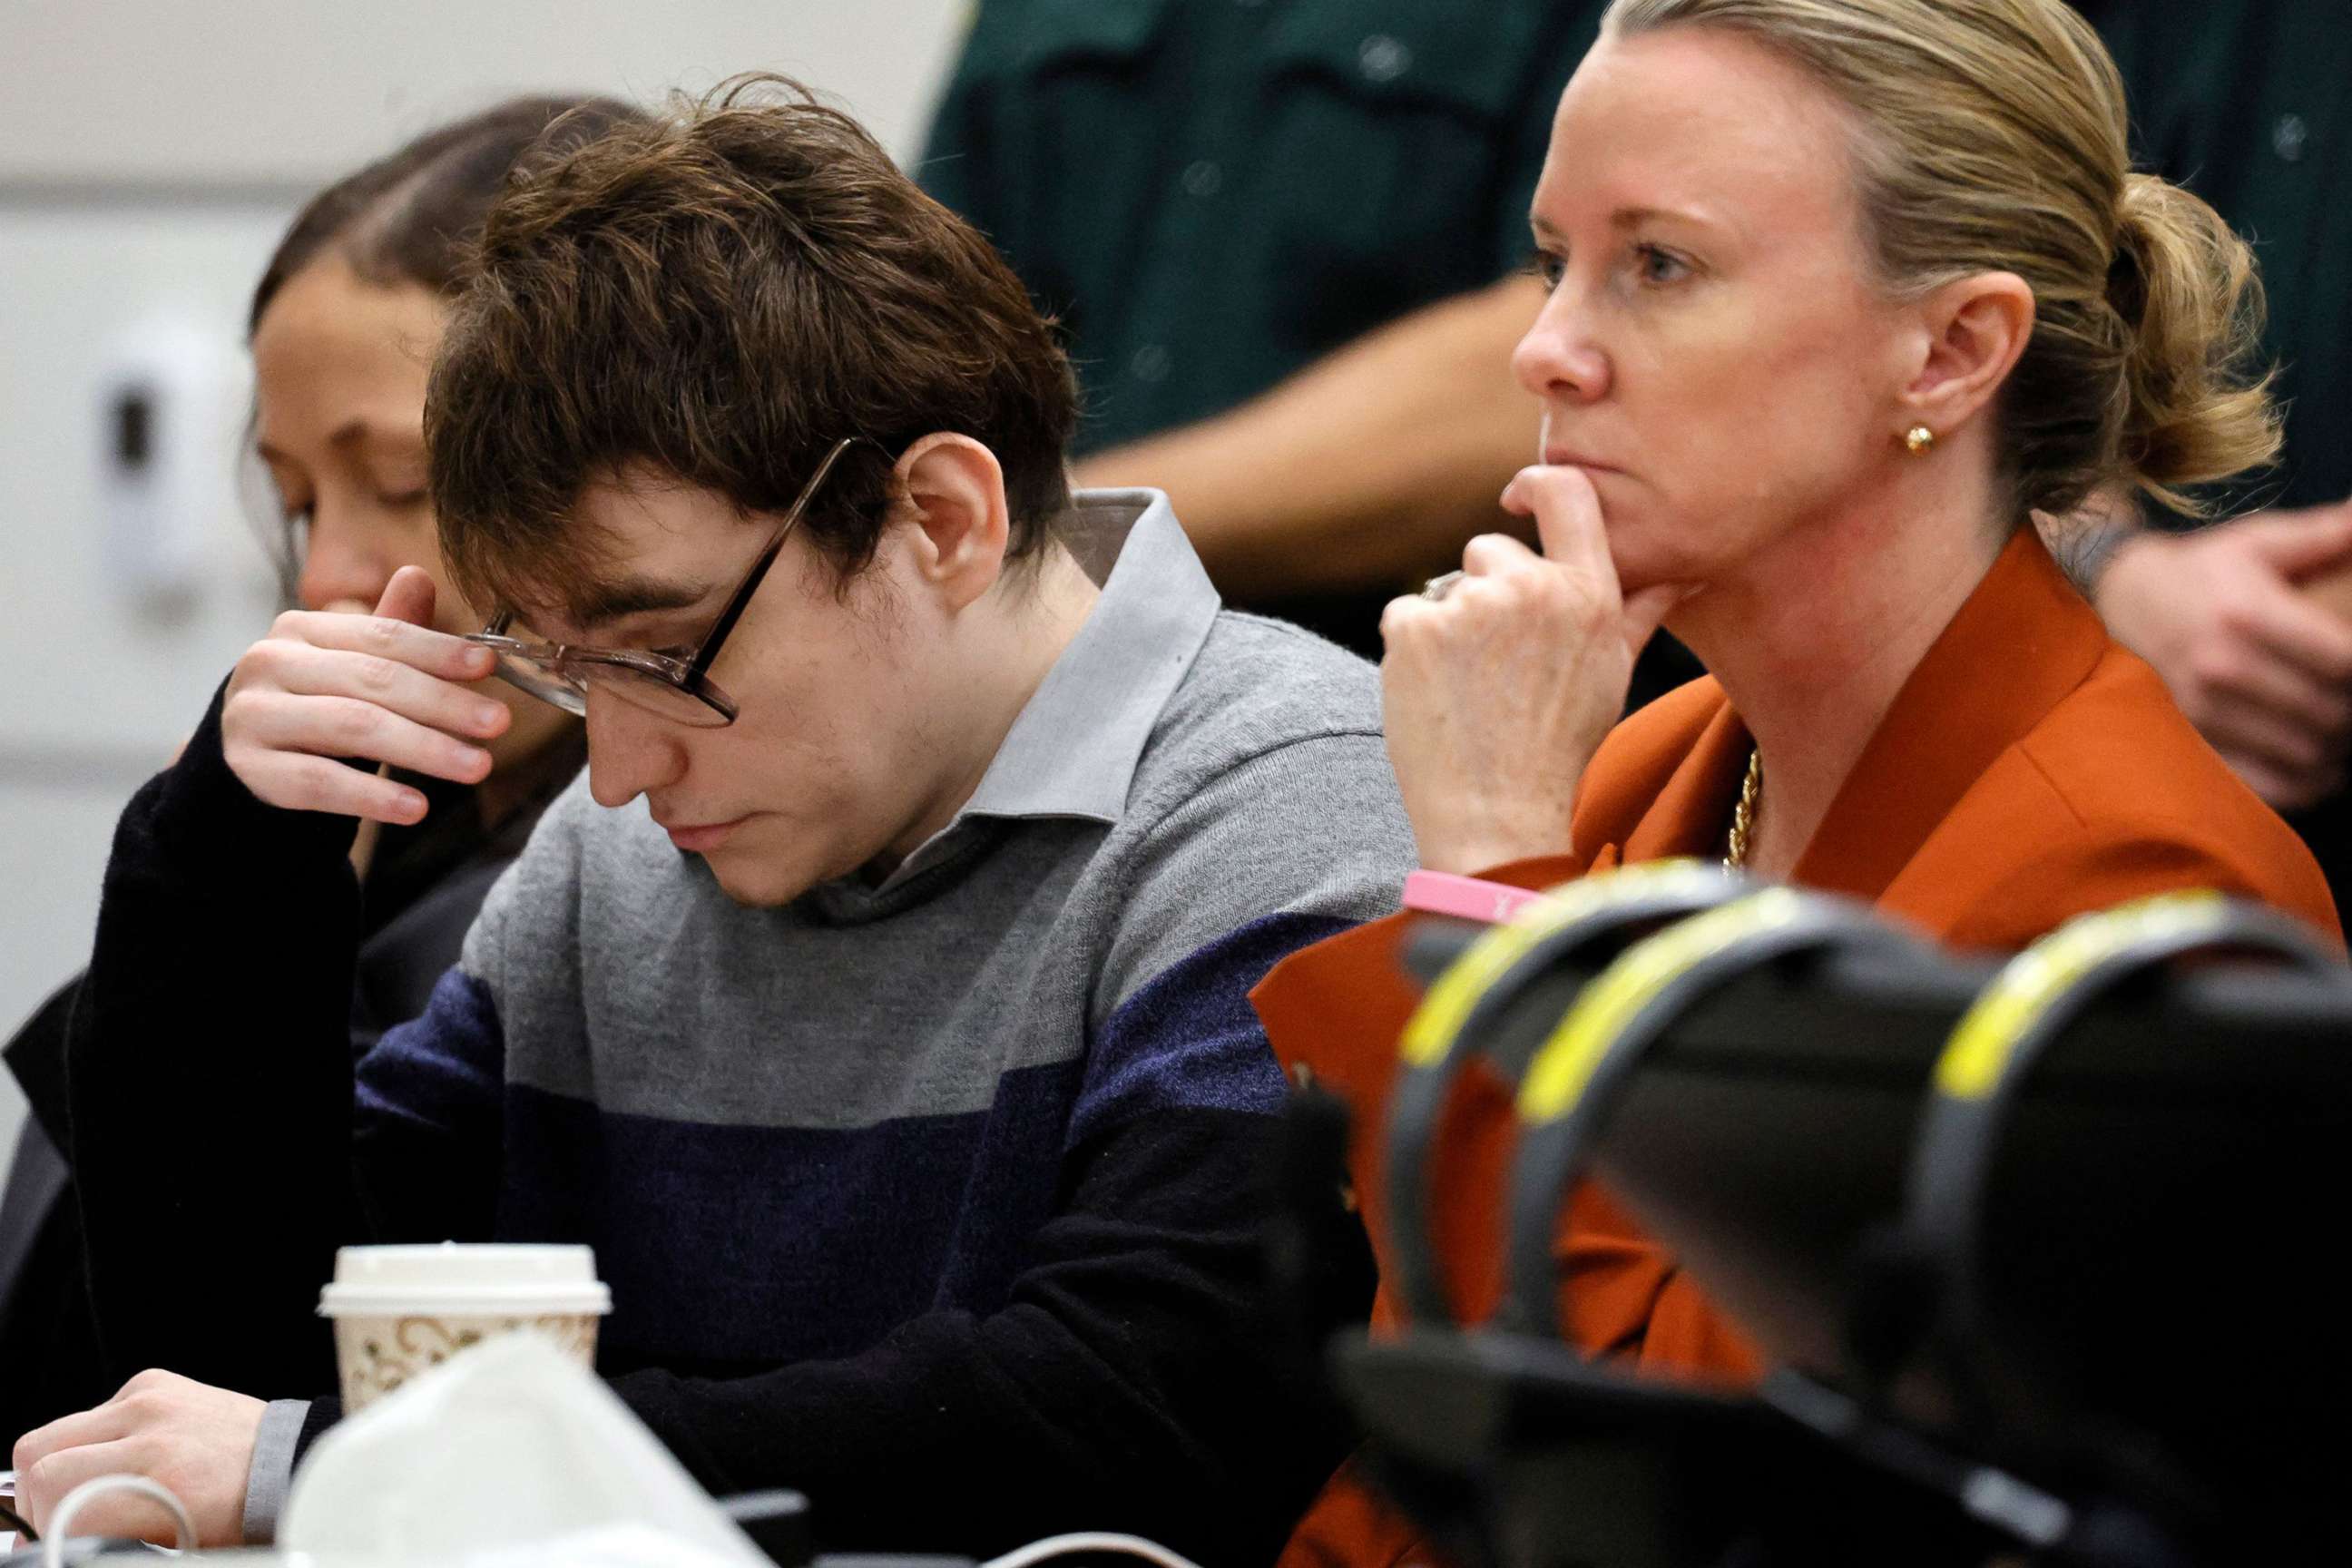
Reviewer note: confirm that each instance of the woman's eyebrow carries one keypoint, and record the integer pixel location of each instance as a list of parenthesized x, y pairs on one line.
[(1636, 216), (376, 439), (1626, 218), (355, 433)]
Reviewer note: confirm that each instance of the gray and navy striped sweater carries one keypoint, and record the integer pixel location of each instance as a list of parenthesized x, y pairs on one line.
[(937, 1201)]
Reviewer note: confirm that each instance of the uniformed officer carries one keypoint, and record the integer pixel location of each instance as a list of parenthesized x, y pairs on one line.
[(1286, 239)]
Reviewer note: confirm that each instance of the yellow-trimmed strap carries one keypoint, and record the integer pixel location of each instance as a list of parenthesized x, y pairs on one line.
[(1986, 1037), (1564, 1065)]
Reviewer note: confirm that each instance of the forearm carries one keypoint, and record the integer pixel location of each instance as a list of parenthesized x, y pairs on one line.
[(209, 1076), (1367, 469), (2086, 540), (1126, 1385)]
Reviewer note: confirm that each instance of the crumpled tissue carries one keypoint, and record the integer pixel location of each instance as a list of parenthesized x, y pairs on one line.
[(508, 1455)]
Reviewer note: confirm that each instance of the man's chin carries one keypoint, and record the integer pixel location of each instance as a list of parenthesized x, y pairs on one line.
[(758, 889), (758, 883)]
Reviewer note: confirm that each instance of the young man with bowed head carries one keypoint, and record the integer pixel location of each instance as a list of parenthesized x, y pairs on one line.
[(876, 1008)]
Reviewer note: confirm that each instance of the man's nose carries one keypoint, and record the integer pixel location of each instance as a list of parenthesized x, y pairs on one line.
[(630, 752)]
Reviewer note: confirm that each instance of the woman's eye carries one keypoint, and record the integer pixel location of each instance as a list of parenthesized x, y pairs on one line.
[(404, 499), (1548, 267), (1658, 265)]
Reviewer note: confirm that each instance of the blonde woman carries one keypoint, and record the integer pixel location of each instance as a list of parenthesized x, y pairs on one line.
[(1840, 292)]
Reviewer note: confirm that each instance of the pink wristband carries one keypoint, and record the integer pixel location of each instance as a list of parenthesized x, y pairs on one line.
[(1466, 898)]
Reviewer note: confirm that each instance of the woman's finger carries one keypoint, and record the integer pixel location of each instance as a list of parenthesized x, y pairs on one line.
[(308, 671), (350, 727), (295, 781), (419, 647), (1491, 554), (1404, 613), (1566, 510), (409, 596)]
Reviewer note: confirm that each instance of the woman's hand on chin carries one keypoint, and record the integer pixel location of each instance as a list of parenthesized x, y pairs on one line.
[(1496, 694)]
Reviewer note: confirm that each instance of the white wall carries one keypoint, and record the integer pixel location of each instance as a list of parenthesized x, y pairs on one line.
[(151, 151), (221, 90)]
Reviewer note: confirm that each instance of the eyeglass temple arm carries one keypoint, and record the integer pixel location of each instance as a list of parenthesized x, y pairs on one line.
[(716, 635)]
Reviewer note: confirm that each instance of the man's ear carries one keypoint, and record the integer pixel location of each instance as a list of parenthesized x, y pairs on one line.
[(1973, 329), (962, 521)]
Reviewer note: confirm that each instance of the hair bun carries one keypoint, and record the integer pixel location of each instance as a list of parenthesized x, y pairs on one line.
[(2188, 298)]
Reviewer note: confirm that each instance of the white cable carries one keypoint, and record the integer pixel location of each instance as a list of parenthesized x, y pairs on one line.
[(1063, 1545), (53, 1544)]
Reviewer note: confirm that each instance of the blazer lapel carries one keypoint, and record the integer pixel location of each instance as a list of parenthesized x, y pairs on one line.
[(2021, 642)]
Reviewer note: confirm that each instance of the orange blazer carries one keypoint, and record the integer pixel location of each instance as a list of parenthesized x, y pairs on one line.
[(2030, 769)]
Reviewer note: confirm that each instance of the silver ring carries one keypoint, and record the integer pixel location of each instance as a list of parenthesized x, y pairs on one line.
[(1437, 587)]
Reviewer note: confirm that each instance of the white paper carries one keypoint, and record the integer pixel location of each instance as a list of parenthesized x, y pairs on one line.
[(508, 1455)]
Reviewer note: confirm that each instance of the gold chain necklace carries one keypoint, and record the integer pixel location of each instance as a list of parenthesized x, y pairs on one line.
[(1743, 816)]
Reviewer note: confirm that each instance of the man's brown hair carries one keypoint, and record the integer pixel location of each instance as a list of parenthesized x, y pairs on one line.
[(717, 296), (406, 219)]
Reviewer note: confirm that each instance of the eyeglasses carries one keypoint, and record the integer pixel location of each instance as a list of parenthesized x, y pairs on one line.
[(675, 688)]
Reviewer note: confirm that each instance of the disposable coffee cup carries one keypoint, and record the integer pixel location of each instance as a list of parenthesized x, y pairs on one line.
[(400, 1309)]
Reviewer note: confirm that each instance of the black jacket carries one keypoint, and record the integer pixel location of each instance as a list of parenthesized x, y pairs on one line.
[(424, 886)]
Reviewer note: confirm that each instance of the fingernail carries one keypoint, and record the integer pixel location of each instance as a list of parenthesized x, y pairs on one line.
[(487, 715), (480, 659), (412, 804)]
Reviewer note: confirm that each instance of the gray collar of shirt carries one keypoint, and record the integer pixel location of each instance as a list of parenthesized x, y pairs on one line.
[(1073, 751)]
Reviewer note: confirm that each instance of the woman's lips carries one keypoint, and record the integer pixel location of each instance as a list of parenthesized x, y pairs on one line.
[(1563, 459), (703, 839)]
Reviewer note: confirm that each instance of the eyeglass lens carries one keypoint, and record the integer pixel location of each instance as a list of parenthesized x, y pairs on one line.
[(567, 687)]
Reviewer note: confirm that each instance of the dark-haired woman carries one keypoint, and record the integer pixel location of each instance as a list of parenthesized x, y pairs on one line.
[(342, 329)]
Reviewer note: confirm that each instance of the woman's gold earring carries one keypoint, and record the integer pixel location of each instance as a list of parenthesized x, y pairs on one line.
[(1919, 440)]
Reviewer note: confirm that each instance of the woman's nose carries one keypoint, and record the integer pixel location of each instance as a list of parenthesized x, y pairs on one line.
[(337, 565), (1557, 360)]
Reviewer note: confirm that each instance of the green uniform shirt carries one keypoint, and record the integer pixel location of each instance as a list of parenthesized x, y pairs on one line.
[(2248, 105), (1213, 194)]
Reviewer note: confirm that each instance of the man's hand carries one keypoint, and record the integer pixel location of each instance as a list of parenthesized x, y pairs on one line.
[(193, 1439), (1495, 697), (2265, 673), (385, 688)]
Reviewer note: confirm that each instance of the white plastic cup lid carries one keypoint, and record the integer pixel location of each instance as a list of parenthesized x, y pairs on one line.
[(464, 1277)]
